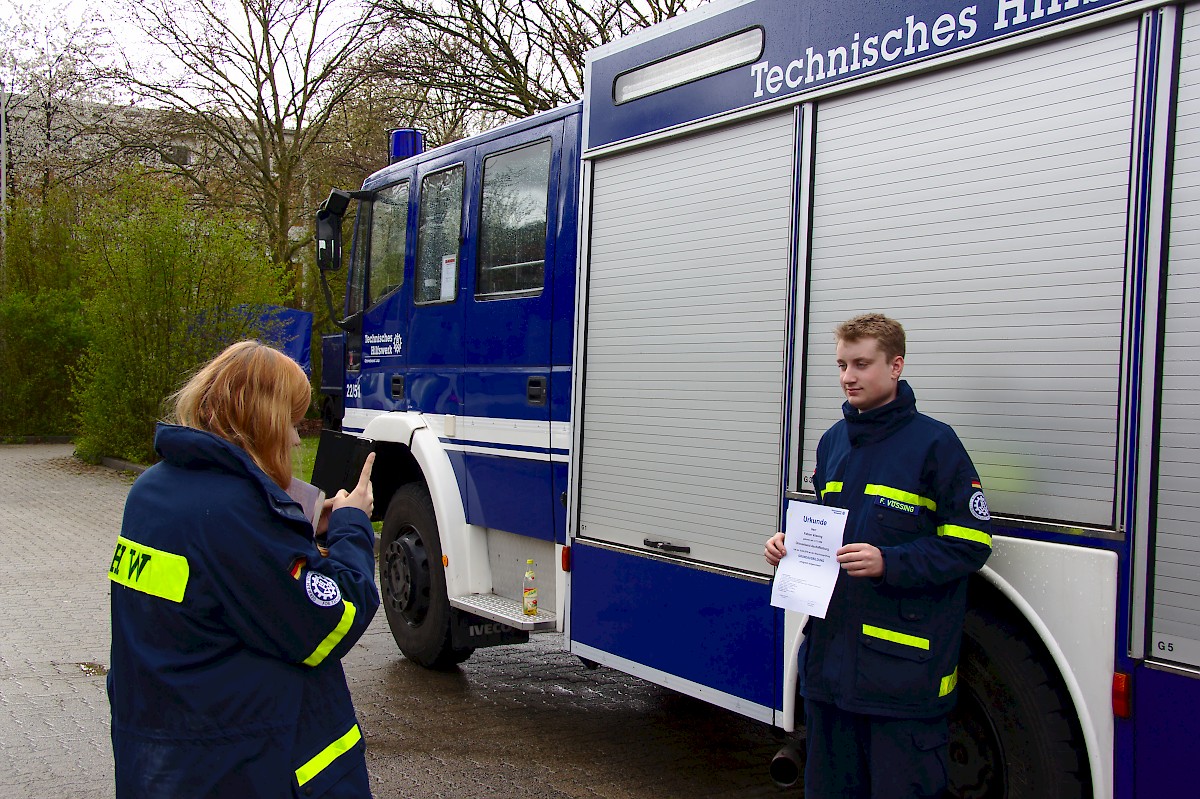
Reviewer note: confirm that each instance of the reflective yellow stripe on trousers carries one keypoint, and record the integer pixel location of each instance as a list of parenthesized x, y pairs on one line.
[(327, 755)]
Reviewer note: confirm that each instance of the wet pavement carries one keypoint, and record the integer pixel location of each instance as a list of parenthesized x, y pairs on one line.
[(513, 721), (59, 519)]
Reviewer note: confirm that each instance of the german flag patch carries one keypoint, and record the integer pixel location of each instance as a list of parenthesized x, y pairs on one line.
[(296, 567), (976, 484)]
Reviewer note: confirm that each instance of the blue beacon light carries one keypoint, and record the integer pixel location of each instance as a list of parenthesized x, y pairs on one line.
[(405, 143)]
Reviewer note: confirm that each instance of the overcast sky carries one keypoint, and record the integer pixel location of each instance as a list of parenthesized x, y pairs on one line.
[(41, 14)]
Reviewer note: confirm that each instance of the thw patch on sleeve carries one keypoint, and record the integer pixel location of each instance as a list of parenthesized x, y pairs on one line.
[(322, 590), (979, 508)]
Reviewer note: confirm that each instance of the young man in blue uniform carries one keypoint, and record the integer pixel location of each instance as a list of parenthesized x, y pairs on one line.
[(878, 673)]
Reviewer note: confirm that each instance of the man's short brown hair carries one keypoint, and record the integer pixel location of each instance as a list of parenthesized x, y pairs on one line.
[(888, 332)]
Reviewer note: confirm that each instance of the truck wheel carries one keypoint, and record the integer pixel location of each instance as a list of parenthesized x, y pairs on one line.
[(413, 580), (331, 414), (1013, 733)]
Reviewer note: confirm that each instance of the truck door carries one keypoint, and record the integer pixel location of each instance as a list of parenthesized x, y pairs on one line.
[(385, 294), (504, 435), (435, 330)]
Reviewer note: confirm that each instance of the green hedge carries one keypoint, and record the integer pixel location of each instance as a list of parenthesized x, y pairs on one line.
[(41, 338), (164, 282), (42, 333)]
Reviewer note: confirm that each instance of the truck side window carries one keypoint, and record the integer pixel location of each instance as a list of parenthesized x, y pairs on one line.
[(438, 236), (389, 233), (512, 233), (358, 259)]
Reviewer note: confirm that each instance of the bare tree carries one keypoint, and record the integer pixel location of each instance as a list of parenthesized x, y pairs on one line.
[(245, 91), (51, 96), (512, 57), (52, 114), (355, 143)]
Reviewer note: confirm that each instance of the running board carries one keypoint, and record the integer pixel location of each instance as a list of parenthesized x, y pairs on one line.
[(504, 610)]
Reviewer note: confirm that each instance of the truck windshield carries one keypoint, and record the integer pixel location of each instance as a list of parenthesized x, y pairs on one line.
[(358, 259)]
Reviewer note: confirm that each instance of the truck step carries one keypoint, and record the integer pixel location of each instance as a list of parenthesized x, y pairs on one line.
[(504, 610)]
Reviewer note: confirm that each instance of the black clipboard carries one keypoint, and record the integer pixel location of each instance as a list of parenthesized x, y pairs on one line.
[(339, 461)]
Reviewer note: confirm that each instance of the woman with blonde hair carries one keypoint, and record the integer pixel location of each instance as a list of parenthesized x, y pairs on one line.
[(228, 623)]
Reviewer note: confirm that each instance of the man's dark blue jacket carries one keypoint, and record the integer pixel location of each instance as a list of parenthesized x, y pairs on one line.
[(228, 628), (889, 646)]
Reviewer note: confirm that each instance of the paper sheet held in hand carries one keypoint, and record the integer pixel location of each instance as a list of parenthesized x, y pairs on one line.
[(806, 575), (311, 499)]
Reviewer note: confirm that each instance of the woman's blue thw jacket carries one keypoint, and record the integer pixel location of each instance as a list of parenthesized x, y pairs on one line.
[(889, 646), (228, 629)]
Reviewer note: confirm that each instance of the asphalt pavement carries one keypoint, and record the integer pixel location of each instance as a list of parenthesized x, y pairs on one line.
[(512, 721)]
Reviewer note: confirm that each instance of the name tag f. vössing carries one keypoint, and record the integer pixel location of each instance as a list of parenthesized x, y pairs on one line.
[(149, 570)]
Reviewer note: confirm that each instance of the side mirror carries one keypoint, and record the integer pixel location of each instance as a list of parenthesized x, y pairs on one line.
[(329, 230)]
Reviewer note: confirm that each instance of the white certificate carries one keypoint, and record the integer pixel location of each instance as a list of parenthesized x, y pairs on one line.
[(806, 575)]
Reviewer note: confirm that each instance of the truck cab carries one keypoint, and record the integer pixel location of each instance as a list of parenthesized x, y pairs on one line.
[(458, 324)]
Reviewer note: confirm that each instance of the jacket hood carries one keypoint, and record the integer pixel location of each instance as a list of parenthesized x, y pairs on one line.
[(868, 427), (189, 448)]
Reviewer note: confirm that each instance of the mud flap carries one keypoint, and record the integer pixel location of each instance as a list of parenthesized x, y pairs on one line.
[(468, 631)]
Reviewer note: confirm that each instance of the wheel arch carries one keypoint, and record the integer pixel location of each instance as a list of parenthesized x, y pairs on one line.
[(408, 451), (1075, 630), (1082, 655)]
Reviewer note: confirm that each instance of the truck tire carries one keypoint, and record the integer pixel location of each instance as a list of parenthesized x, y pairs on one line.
[(1013, 733), (412, 580), (331, 414)]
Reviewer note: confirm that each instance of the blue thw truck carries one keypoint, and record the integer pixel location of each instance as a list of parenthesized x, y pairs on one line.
[(601, 338)]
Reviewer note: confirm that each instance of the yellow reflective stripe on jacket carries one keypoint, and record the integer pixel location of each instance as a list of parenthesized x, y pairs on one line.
[(149, 570), (899, 638), (906, 497), (331, 640), (327, 755), (968, 533), (949, 682), (831, 488)]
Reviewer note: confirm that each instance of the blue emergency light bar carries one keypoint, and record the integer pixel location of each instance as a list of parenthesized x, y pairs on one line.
[(405, 143)]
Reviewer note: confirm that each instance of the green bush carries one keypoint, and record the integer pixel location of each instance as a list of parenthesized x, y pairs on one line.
[(41, 338), (42, 334), (165, 284)]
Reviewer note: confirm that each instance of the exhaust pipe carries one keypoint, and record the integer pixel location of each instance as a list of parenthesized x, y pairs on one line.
[(787, 766)]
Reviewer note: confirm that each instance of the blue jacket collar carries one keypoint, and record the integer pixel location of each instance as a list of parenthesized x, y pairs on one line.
[(868, 427), (189, 448)]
